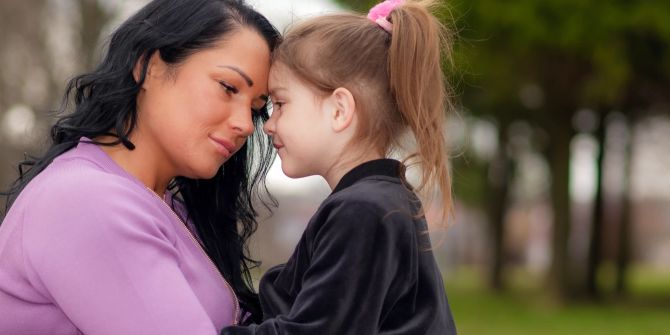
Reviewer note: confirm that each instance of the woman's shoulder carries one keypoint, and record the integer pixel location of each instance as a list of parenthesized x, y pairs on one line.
[(77, 191), (79, 202), (82, 180)]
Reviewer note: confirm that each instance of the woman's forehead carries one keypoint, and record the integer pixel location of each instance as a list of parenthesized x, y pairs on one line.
[(242, 49)]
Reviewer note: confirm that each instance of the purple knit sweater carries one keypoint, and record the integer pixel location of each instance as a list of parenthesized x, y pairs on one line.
[(87, 248)]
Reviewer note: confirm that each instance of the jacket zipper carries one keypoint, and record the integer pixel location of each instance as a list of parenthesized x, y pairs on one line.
[(211, 263)]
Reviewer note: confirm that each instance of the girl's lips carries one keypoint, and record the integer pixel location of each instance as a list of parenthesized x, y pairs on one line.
[(277, 146), (224, 147)]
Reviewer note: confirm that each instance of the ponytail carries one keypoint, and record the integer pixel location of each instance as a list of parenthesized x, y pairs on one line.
[(417, 83)]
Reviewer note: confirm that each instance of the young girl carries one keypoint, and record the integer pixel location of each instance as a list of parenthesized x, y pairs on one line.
[(344, 89)]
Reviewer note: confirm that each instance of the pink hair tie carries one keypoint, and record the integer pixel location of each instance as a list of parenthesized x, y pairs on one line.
[(379, 13)]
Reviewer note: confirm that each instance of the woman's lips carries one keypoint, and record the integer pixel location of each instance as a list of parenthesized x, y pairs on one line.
[(225, 148)]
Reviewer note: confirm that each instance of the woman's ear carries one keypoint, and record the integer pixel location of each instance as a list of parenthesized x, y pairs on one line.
[(344, 109), (155, 66)]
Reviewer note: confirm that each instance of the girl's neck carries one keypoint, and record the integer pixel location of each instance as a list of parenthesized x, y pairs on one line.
[(345, 164)]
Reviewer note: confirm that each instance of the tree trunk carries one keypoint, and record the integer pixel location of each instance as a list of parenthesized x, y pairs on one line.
[(625, 225), (559, 160), (594, 258), (93, 19), (499, 180)]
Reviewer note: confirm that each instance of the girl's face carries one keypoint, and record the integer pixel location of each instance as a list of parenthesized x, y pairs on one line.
[(198, 114), (299, 125)]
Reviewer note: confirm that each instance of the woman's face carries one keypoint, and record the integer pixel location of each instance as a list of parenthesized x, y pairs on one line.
[(196, 115)]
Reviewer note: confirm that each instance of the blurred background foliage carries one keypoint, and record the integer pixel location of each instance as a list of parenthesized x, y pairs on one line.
[(545, 75)]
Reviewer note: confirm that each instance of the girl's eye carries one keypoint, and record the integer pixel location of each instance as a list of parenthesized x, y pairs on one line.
[(230, 89)]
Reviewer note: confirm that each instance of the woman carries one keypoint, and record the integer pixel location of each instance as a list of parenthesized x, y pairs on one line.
[(135, 220)]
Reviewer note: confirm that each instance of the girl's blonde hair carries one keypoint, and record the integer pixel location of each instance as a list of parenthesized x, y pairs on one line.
[(396, 79)]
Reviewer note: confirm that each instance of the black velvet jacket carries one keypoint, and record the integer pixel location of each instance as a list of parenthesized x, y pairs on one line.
[(362, 266)]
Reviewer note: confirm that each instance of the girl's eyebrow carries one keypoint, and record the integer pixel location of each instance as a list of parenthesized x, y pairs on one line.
[(276, 90), (240, 72)]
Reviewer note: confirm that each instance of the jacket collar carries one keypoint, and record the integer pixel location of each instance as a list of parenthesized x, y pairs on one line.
[(378, 167)]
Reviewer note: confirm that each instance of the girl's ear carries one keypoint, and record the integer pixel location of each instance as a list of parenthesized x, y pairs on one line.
[(344, 109), (156, 66)]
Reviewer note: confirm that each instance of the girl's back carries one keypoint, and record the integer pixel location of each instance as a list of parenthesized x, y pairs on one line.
[(363, 265)]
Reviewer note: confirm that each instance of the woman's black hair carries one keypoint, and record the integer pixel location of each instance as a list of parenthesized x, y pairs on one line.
[(222, 208)]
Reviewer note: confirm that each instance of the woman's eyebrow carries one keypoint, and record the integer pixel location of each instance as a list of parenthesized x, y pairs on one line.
[(240, 72)]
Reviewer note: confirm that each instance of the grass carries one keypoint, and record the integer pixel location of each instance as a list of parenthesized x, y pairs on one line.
[(527, 309)]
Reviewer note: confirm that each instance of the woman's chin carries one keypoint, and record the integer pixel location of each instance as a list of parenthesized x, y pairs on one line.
[(204, 172)]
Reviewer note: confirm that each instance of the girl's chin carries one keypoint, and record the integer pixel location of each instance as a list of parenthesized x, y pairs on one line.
[(293, 175), (293, 172)]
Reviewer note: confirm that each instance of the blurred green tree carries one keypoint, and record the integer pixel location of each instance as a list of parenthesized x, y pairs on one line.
[(542, 61), (603, 55)]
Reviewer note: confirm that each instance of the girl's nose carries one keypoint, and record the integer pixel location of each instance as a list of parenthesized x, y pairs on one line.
[(269, 126)]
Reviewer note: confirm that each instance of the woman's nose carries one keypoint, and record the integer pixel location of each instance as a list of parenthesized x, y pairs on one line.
[(242, 122)]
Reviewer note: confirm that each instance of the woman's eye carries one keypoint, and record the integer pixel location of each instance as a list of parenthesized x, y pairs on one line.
[(230, 89), (260, 106)]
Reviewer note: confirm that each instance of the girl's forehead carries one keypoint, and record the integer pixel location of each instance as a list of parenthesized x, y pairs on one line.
[(277, 68), (279, 74)]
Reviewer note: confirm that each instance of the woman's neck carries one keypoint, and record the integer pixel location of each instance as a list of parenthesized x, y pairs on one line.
[(141, 163)]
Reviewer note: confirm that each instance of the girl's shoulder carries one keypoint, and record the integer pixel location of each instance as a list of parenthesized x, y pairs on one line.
[(374, 193), (374, 204)]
